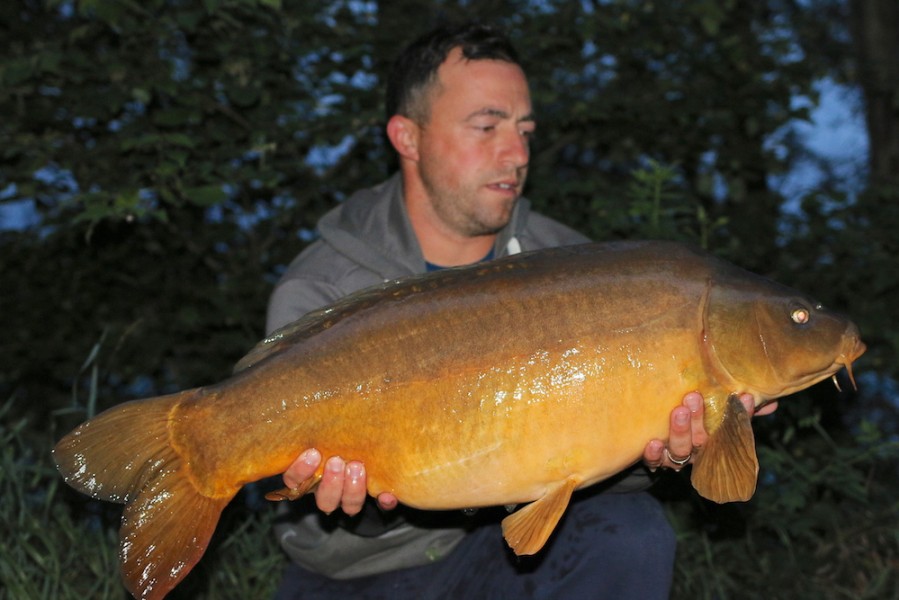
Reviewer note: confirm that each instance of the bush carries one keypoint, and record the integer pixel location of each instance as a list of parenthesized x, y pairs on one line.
[(823, 523)]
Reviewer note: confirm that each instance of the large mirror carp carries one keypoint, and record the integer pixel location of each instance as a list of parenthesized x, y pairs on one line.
[(552, 369)]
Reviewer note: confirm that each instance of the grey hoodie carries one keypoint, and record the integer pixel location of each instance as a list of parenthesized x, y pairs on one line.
[(365, 241)]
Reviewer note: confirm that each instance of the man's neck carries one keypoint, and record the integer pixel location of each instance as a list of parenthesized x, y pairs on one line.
[(446, 249), (439, 244)]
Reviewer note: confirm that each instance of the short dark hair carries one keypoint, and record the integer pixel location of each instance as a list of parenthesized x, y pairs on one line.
[(415, 69)]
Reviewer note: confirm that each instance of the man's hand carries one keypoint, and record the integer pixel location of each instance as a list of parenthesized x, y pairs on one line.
[(342, 485), (687, 433)]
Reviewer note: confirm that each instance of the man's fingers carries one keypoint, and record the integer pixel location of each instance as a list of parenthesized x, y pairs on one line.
[(680, 442), (353, 488), (387, 501), (330, 489), (343, 486), (653, 454), (687, 434), (748, 403), (302, 468), (694, 403)]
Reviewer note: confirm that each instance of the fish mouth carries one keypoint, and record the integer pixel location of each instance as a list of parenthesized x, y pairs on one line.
[(856, 348)]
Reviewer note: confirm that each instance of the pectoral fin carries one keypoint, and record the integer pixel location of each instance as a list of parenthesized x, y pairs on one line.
[(726, 468), (527, 530)]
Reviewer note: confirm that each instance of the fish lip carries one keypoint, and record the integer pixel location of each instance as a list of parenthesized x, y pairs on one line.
[(852, 345), (858, 348)]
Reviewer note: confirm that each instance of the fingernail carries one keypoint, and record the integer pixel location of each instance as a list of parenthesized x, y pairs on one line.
[(693, 403), (312, 457), (335, 464), (681, 418), (354, 471)]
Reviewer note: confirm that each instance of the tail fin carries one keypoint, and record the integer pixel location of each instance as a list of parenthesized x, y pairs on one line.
[(125, 455)]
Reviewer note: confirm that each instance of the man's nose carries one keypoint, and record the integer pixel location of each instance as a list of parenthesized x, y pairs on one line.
[(516, 151)]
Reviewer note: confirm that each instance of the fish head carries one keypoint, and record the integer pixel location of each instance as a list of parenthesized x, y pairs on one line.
[(772, 341)]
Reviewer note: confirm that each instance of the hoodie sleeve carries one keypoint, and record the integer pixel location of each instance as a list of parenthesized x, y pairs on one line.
[(319, 276)]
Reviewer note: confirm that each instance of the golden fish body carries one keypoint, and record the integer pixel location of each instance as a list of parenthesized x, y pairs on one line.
[(547, 371)]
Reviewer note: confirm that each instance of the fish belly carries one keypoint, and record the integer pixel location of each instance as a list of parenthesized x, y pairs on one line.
[(505, 435)]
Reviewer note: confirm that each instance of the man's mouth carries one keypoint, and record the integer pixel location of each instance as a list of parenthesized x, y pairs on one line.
[(505, 186)]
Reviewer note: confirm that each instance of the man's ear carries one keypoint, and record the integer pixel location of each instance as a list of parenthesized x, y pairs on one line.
[(403, 133)]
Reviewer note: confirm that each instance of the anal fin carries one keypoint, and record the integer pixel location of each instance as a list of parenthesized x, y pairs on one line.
[(726, 468), (527, 530)]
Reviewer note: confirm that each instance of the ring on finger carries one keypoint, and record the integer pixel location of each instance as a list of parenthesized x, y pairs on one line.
[(680, 462)]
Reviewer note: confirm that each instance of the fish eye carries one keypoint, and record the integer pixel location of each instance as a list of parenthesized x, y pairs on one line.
[(800, 315)]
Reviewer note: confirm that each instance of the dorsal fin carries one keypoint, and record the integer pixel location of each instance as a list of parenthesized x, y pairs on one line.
[(308, 325)]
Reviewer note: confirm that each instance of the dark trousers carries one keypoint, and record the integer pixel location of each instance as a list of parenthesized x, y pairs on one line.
[(607, 545)]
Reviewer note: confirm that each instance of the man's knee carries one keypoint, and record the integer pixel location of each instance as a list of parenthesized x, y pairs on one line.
[(608, 546), (631, 528)]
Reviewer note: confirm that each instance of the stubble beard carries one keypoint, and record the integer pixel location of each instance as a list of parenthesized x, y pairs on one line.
[(462, 211)]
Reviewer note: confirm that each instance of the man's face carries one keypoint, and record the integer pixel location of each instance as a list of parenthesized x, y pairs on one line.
[(473, 149)]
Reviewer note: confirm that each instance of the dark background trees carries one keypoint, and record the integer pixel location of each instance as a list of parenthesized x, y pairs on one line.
[(170, 156)]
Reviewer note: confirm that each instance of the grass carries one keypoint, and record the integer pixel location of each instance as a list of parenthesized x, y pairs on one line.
[(60, 545)]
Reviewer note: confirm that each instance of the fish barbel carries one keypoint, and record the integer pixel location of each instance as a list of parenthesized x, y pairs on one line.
[(550, 369)]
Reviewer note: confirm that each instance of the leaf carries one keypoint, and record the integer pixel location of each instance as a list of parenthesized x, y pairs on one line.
[(208, 195)]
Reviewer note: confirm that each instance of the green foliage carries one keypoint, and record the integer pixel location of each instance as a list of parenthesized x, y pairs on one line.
[(658, 208), (42, 562), (177, 155)]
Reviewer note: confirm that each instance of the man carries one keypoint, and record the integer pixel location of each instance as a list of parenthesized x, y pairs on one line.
[(460, 116)]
